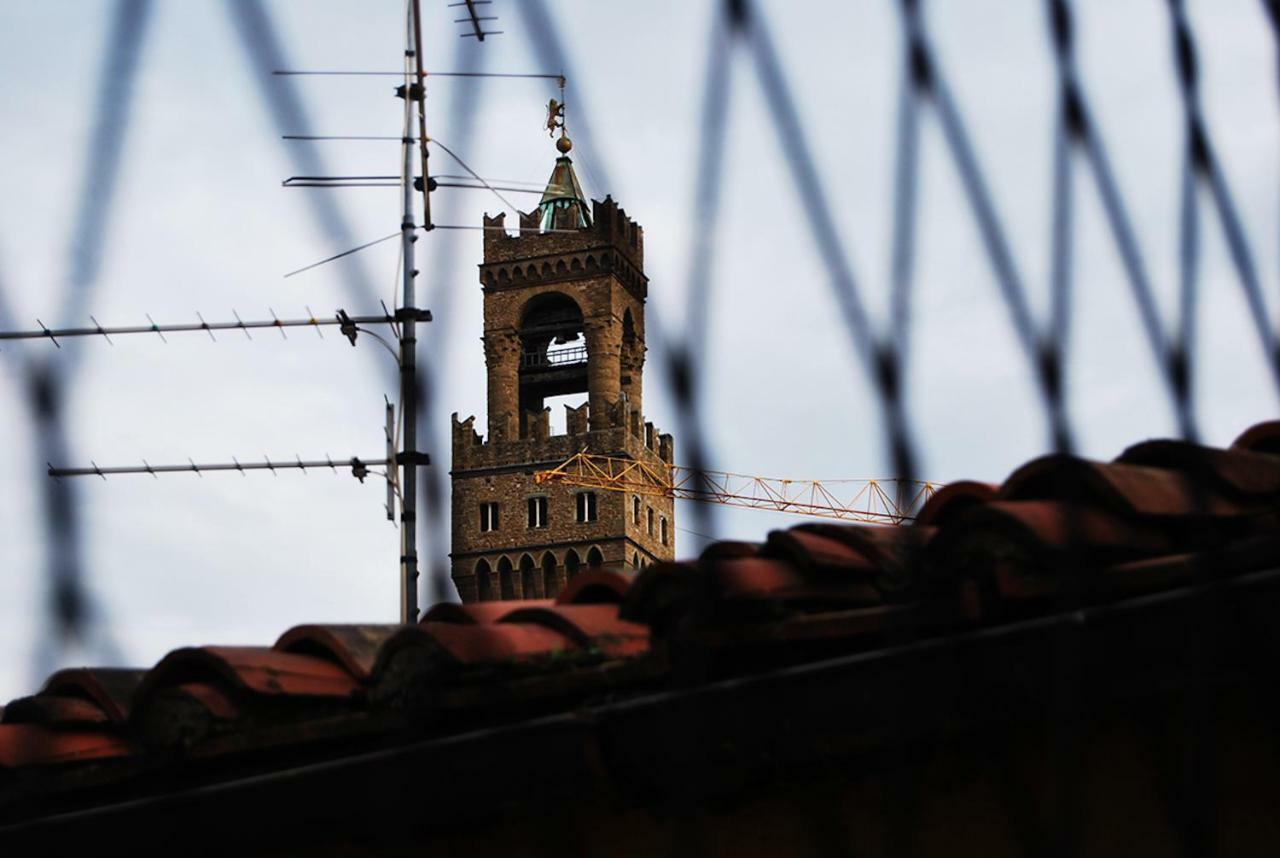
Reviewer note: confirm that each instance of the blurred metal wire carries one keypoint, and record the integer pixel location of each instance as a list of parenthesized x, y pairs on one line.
[(686, 355), (441, 287), (265, 52), (74, 618), (882, 352), (1202, 169)]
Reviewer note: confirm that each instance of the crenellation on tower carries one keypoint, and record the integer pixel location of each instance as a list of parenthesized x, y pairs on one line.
[(625, 435), (575, 419), (612, 244), (563, 316)]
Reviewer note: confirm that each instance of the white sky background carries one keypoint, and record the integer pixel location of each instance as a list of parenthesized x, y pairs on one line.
[(201, 223)]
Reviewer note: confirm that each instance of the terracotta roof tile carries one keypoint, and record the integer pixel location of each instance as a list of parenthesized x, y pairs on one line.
[(661, 593), (46, 709), (817, 553), (435, 652), (730, 550), (807, 627), (477, 613), (591, 626), (498, 643), (1122, 489), (895, 552), (1261, 438), (954, 498), (261, 670), (211, 698), (1152, 573), (183, 715), (767, 579), (354, 647), (596, 586), (1240, 473), (35, 745), (760, 578), (111, 688), (1032, 533), (419, 664)]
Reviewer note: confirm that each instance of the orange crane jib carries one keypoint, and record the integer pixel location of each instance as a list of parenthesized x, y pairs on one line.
[(873, 501)]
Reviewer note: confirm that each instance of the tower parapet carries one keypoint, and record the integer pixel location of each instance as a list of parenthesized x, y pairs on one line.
[(613, 243), (627, 435)]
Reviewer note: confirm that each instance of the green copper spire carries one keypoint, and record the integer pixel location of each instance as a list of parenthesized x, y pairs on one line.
[(563, 205)]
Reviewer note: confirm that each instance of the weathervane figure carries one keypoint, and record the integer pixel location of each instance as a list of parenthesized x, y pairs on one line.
[(555, 121), (555, 118)]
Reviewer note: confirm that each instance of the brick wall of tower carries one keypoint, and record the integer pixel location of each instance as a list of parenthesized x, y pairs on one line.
[(601, 268), (503, 472)]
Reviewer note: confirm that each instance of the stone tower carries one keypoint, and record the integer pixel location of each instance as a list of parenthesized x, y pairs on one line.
[(563, 314)]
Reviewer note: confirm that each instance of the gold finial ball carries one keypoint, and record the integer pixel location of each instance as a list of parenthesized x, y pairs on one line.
[(564, 144)]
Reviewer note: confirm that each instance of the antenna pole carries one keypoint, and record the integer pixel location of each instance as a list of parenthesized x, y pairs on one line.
[(416, 33), (413, 90)]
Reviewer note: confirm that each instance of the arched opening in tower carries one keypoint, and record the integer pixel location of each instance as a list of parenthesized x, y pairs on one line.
[(484, 581), (550, 585), (553, 366), (631, 364), (528, 580), (505, 583)]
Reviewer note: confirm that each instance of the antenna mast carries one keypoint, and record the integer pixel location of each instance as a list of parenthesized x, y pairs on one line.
[(413, 90)]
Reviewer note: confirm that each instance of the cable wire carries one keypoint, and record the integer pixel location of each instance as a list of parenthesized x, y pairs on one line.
[(463, 164)]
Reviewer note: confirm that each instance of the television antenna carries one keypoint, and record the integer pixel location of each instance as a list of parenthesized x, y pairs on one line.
[(402, 458)]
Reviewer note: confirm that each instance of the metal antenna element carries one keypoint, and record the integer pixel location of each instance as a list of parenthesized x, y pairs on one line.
[(433, 182), (474, 18), (359, 467), (240, 325), (277, 324), (340, 73), (311, 317), (100, 331), (391, 460), (348, 252), (48, 333), (154, 327), (341, 181), (205, 326), (341, 319)]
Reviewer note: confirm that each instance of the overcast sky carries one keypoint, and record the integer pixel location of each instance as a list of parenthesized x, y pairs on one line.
[(201, 224)]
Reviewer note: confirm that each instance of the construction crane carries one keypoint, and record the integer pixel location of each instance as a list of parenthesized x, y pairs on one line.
[(873, 501)]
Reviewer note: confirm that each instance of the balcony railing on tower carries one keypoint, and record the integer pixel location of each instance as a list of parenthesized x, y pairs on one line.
[(562, 357)]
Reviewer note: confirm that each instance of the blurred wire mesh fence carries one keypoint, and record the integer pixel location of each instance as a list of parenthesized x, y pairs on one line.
[(739, 34)]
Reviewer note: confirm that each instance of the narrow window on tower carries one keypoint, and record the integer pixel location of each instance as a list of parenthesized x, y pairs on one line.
[(664, 530), (651, 521), (537, 512), (635, 510), (488, 516), (586, 507)]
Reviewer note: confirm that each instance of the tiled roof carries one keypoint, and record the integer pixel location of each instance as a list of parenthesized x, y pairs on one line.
[(1059, 531)]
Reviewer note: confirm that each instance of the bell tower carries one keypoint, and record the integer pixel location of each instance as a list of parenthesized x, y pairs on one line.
[(563, 315)]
